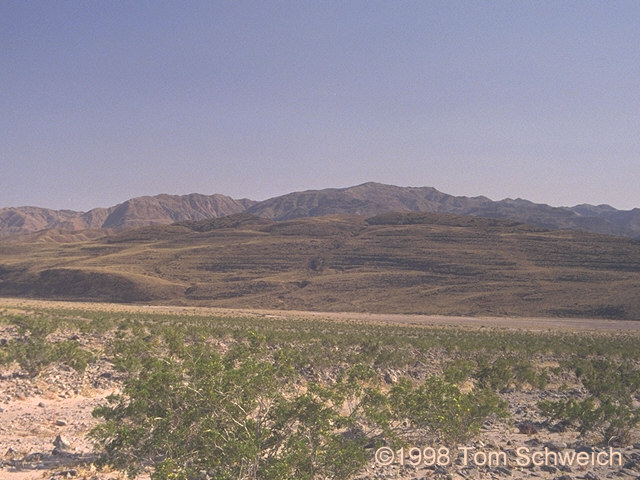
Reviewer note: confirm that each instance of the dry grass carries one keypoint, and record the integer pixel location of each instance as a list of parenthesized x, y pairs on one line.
[(410, 263)]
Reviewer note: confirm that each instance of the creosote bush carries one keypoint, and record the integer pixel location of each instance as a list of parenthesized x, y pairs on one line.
[(208, 397), (441, 408), (33, 351), (610, 408), (191, 412)]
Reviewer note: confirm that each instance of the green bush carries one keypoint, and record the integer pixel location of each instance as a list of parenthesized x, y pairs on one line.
[(459, 370), (233, 416), (70, 353), (33, 351), (506, 372), (610, 408), (441, 408), (33, 354)]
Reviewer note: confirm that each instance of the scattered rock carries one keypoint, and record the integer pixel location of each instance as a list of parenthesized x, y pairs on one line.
[(527, 427), (555, 447), (500, 470), (65, 474), (390, 377), (584, 449), (61, 423), (626, 471), (33, 457), (61, 444), (559, 427)]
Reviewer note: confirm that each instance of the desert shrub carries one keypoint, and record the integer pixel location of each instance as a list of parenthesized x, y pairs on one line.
[(392, 357), (315, 438), (98, 323), (603, 377), (505, 372), (441, 408), (234, 416), (610, 408), (33, 351), (71, 354), (459, 370), (610, 418), (129, 353), (33, 354), (35, 325)]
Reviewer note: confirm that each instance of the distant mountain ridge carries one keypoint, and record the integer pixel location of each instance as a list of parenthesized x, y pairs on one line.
[(367, 199), (136, 212)]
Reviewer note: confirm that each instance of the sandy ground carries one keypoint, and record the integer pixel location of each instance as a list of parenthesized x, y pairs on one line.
[(525, 323), (33, 412), (30, 425)]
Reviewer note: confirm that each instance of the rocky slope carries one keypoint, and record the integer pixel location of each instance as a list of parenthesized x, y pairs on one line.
[(367, 199), (136, 212), (375, 198)]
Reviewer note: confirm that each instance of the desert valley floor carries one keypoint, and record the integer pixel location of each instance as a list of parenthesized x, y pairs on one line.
[(56, 401)]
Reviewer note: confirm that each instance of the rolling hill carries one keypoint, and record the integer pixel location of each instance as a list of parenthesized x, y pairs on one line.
[(403, 262)]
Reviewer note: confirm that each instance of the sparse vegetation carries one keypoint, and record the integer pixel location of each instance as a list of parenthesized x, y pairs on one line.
[(394, 263), (610, 407), (275, 398), (33, 351)]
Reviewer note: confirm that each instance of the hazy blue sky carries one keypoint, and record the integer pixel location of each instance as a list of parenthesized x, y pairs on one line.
[(103, 101)]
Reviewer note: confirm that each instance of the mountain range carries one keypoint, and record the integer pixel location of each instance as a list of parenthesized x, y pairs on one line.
[(368, 199)]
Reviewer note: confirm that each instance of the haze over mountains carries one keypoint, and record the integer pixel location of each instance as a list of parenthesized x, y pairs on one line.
[(368, 199)]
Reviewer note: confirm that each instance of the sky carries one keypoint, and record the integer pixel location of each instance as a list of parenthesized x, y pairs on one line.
[(104, 101)]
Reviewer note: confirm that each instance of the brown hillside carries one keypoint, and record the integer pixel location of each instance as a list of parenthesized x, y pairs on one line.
[(165, 209), (136, 212), (366, 199), (402, 263)]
